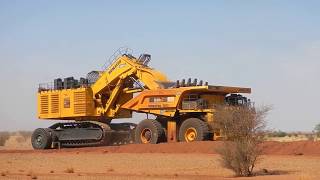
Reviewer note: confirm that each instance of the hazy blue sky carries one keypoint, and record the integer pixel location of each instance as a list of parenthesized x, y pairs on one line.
[(271, 46)]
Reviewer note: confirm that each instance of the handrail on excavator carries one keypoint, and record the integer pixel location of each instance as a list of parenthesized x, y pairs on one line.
[(119, 52)]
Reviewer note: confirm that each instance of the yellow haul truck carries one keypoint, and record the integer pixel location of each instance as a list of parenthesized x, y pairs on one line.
[(183, 109)]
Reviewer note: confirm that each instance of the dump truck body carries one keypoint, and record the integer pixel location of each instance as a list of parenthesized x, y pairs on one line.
[(78, 103)]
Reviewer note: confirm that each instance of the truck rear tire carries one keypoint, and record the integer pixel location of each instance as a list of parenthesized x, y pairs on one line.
[(148, 131), (41, 139), (193, 129)]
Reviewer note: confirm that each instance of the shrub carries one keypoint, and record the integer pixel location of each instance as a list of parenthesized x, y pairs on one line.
[(110, 169), (317, 129), (240, 156), (4, 173), (244, 129), (69, 170), (34, 176), (20, 139), (25, 134), (310, 137), (4, 136), (278, 134), (30, 173)]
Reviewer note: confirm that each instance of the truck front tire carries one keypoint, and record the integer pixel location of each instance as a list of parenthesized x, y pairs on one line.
[(193, 129), (148, 131)]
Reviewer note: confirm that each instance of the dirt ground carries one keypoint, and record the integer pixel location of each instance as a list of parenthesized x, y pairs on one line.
[(294, 160)]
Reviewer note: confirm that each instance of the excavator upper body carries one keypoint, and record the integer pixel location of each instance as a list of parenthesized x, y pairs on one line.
[(183, 110)]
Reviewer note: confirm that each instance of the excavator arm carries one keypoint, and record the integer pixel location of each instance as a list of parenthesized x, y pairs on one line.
[(128, 66), (119, 78)]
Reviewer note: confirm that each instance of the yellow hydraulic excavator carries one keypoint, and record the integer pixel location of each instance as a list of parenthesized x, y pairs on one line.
[(183, 109)]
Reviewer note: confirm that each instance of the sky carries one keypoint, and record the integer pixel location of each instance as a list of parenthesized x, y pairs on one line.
[(271, 46)]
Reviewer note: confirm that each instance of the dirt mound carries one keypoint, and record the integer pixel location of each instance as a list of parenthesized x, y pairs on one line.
[(206, 147), (292, 148), (209, 147)]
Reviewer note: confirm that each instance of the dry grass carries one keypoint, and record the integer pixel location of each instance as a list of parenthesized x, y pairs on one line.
[(305, 177), (292, 138), (20, 139), (4, 136), (25, 134), (30, 173), (282, 136), (4, 173), (110, 170), (69, 170), (34, 177), (15, 140)]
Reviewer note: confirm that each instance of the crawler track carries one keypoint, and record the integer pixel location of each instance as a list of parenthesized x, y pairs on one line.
[(83, 134)]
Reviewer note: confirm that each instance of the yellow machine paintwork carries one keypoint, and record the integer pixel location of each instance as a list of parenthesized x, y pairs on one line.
[(167, 102), (104, 98), (67, 103), (112, 95)]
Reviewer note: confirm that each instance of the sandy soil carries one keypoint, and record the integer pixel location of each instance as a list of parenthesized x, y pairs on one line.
[(295, 160), (145, 165), (207, 147)]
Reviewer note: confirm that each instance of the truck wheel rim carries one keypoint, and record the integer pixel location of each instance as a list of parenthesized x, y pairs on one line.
[(146, 135), (190, 135), (39, 140)]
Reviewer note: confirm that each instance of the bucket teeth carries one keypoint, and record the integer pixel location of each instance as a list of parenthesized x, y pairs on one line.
[(189, 82), (200, 83), (118, 134), (117, 138)]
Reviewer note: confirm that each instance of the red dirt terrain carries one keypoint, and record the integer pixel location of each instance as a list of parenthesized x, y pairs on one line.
[(206, 147), (198, 160)]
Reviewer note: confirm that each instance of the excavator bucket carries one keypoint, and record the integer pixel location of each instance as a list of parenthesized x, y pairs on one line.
[(122, 133)]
